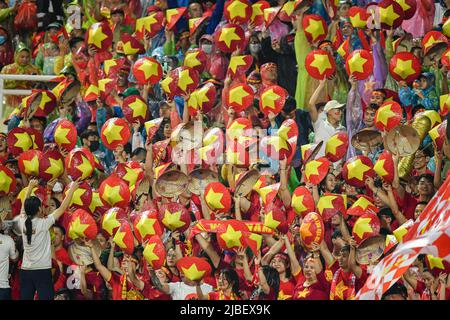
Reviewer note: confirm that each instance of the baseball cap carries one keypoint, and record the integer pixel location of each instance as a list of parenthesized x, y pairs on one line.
[(333, 104)]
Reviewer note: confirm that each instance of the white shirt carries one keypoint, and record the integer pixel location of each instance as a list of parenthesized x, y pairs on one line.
[(323, 131), (7, 251), (37, 255), (179, 290)]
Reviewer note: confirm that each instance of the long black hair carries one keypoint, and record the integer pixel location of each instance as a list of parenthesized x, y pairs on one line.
[(273, 281), (232, 278), (32, 205)]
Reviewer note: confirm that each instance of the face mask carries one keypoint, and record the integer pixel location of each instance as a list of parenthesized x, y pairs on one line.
[(2, 40), (255, 47), (207, 48), (94, 146), (58, 187)]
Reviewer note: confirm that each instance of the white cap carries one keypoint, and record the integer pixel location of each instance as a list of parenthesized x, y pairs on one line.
[(333, 104)]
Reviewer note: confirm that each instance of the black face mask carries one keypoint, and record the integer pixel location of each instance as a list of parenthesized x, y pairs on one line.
[(94, 145)]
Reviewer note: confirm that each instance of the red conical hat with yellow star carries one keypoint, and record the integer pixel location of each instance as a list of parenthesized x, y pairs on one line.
[(315, 28), (29, 162), (194, 23), (237, 11), (92, 93), (287, 11), (330, 204), (155, 252), (152, 126), (239, 97), (437, 265), (65, 134), (344, 49), (275, 218), (7, 181), (100, 36), (359, 64), (312, 230), (96, 206), (336, 147), (147, 225), (268, 193), (217, 197), (115, 132), (195, 59), (303, 201), (111, 220), (131, 172), (275, 147), (358, 17), (405, 66), (390, 14), (37, 138), (320, 64), (202, 100), (384, 167), (80, 163), (272, 99), (115, 192), (257, 17), (135, 109), (431, 39), (239, 65), (39, 192), (409, 8), (231, 234), (124, 237), (229, 38), (356, 170), (131, 45), (112, 66), (437, 134), (150, 25), (445, 59), (288, 131), (169, 84), (174, 216), (82, 225), (316, 170), (388, 116), (173, 16), (147, 70), (194, 268), (270, 15), (82, 197), (364, 204), (42, 102), (238, 128), (188, 80), (18, 141), (367, 226)]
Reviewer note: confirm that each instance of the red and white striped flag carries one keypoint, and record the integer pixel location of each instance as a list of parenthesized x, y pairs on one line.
[(430, 234)]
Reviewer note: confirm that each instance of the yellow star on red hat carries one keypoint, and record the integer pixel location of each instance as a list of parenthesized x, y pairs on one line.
[(112, 194), (232, 237), (237, 9), (227, 35), (321, 62), (146, 226), (31, 166), (333, 144), (146, 22), (131, 175), (96, 36), (139, 108), (96, 202), (23, 141), (379, 168), (435, 262), (184, 79), (384, 114), (112, 132), (269, 97), (404, 68), (256, 10), (192, 272), (149, 254), (44, 99), (214, 199), (388, 15), (5, 181), (235, 62), (278, 143), (315, 28), (312, 168), (110, 222), (149, 68), (191, 59), (362, 225), (76, 198), (85, 167), (173, 220), (356, 63), (325, 202), (61, 135), (77, 228), (237, 94), (356, 169), (108, 64), (270, 222), (118, 239)]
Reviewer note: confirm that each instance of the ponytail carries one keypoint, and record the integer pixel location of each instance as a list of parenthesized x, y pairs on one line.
[(28, 229), (32, 205)]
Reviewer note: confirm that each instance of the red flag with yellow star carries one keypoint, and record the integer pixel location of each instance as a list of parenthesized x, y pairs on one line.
[(437, 265), (135, 109), (239, 65), (155, 252), (149, 25), (409, 8), (18, 141), (238, 128), (115, 192), (131, 172), (405, 66), (82, 225), (231, 234), (194, 268), (82, 197), (96, 206), (316, 170), (237, 11), (362, 205), (344, 49), (320, 64), (194, 23), (111, 221), (217, 197), (152, 126), (433, 38), (275, 218), (147, 70), (124, 237), (100, 36), (112, 66), (384, 167), (188, 80), (7, 181), (270, 14), (229, 38), (29, 162), (169, 84), (131, 45), (202, 100), (272, 99), (287, 11), (92, 93), (146, 225), (195, 59), (388, 116), (174, 216), (367, 226), (80, 163), (312, 230), (65, 134), (358, 17), (173, 16), (302, 201), (315, 28), (239, 97), (115, 132), (275, 147), (359, 64), (41, 102), (336, 147), (437, 134), (391, 14), (356, 170), (268, 193), (330, 204), (257, 17)]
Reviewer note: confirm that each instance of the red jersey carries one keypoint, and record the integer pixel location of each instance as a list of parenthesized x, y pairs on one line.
[(219, 295), (63, 257), (122, 289), (320, 290), (407, 205), (287, 287)]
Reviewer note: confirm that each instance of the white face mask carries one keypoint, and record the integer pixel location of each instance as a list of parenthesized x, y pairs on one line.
[(58, 187), (255, 47), (207, 48)]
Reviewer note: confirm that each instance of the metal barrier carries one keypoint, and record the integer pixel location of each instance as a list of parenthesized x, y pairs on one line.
[(18, 92)]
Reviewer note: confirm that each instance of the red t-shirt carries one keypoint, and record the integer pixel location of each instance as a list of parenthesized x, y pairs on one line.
[(116, 285), (320, 290), (407, 205), (219, 295), (63, 257), (94, 283)]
